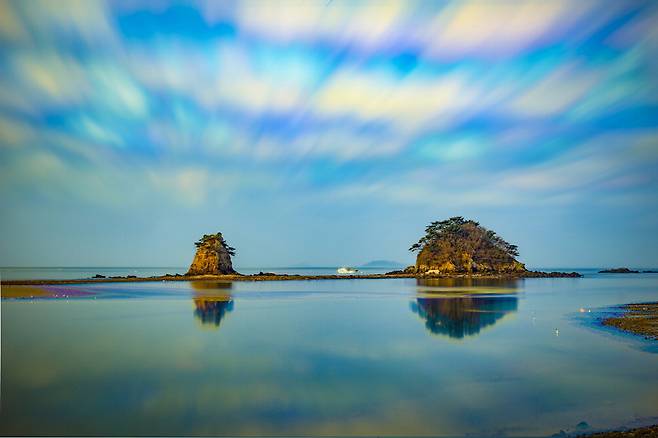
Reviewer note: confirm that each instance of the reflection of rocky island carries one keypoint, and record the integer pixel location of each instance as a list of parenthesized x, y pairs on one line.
[(212, 301), (463, 315), (212, 310)]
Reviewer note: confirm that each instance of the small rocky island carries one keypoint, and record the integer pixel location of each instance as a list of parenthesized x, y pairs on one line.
[(213, 256), (459, 246)]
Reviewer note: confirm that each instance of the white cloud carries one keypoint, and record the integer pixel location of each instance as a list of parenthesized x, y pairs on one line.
[(596, 163), (187, 185), (81, 21), (621, 161), (115, 89), (50, 78), (497, 28), (11, 28), (97, 133), (408, 103), (450, 29), (14, 133), (555, 93), (364, 23)]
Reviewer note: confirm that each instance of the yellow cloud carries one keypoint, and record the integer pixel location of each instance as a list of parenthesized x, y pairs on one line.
[(11, 29)]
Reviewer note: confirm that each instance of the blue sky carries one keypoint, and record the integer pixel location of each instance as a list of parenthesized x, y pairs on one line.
[(326, 132)]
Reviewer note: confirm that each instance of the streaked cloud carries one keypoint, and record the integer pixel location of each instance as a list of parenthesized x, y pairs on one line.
[(468, 104), (555, 93)]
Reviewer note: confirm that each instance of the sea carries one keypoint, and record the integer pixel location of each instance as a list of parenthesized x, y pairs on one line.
[(399, 356)]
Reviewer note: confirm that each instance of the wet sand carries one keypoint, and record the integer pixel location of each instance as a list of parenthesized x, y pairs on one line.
[(639, 319)]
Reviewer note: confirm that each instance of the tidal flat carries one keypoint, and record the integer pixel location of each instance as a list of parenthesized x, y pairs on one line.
[(399, 356), (640, 319)]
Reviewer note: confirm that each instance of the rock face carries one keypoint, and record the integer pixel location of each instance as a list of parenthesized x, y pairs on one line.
[(458, 246), (213, 256)]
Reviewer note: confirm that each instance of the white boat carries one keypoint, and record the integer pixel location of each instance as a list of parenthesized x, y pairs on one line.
[(347, 270)]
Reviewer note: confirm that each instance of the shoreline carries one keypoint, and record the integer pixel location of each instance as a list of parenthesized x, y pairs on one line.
[(637, 432), (640, 319), (286, 277)]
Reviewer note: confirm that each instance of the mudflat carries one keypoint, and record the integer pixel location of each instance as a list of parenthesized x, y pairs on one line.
[(640, 319), (640, 432)]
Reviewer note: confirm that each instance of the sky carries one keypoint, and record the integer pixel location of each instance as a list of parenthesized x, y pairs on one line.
[(326, 132)]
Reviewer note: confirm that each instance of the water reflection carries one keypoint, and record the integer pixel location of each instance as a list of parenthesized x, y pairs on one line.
[(461, 307), (212, 301)]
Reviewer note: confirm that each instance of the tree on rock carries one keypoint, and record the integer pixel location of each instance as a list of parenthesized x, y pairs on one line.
[(458, 245), (213, 256)]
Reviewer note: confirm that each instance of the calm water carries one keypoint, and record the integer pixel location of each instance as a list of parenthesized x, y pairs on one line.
[(357, 357)]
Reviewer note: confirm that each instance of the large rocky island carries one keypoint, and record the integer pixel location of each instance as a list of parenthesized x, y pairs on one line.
[(459, 247)]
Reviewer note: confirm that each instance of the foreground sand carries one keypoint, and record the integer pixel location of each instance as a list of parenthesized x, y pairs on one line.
[(639, 319)]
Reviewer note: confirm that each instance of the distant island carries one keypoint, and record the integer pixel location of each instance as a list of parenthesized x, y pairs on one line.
[(626, 271), (618, 271)]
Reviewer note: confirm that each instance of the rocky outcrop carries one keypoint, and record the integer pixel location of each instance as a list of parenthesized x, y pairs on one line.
[(458, 245), (619, 271), (213, 256)]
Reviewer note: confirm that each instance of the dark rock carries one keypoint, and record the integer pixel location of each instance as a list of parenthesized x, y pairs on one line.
[(395, 273), (618, 271), (270, 274), (98, 276), (554, 274), (131, 276), (650, 272)]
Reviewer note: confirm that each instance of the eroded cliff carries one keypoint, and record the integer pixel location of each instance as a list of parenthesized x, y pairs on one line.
[(213, 256)]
